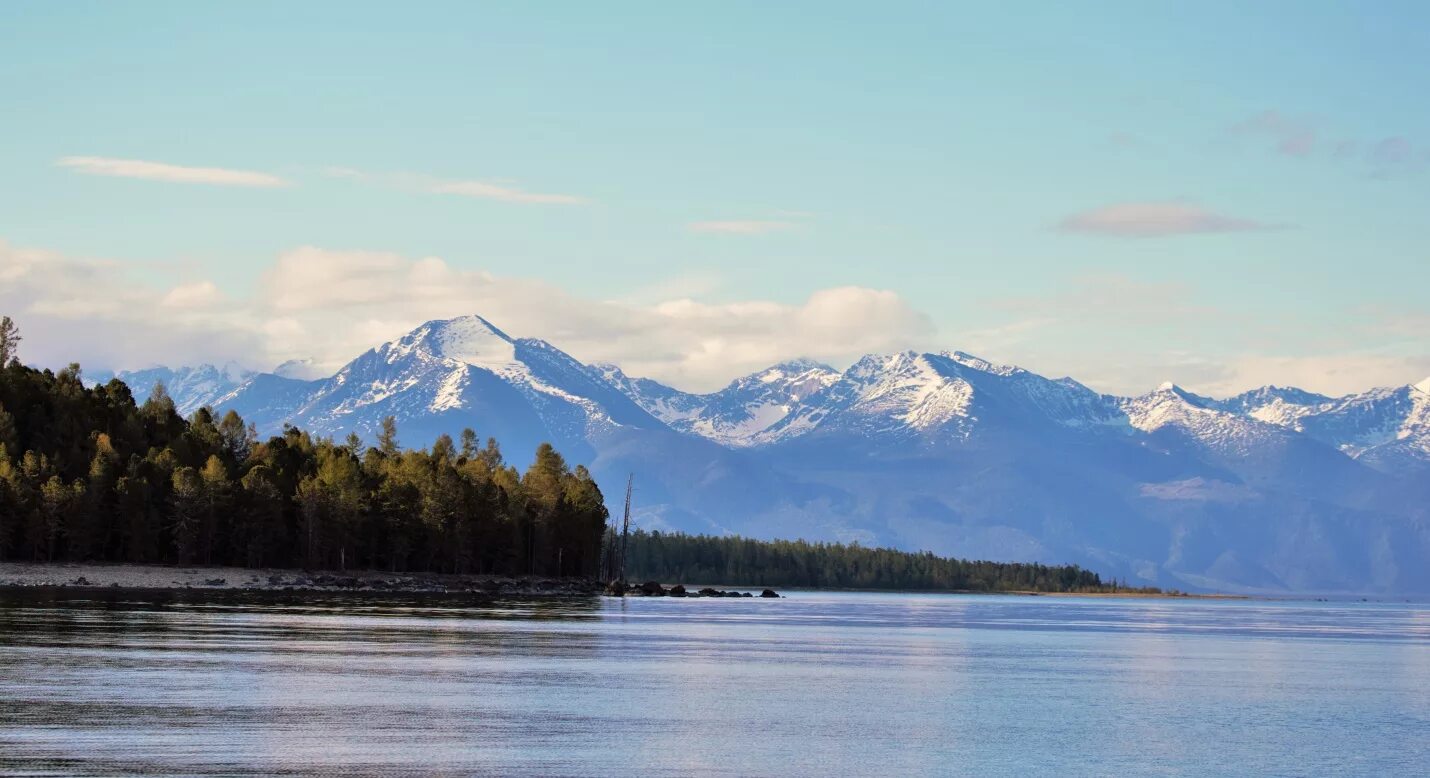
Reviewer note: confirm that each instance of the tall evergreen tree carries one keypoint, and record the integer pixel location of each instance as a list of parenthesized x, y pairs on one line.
[(9, 341)]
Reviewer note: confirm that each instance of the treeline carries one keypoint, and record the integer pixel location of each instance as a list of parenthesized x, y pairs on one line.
[(737, 561), (87, 474)]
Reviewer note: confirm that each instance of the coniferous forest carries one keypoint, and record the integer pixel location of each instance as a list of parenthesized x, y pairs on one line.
[(89, 474), (737, 561)]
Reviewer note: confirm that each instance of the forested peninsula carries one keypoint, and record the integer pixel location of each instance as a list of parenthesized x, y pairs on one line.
[(738, 561)]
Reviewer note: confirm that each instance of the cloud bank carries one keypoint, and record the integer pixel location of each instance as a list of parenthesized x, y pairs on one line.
[(1155, 220), (324, 307), (330, 306), (163, 171), (739, 227), (486, 190)]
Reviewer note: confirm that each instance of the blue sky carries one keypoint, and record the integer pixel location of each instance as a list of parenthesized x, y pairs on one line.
[(1219, 194)]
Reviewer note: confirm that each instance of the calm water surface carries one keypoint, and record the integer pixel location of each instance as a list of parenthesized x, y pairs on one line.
[(815, 684)]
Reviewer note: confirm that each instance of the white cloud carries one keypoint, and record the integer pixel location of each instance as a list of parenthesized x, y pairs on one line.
[(1333, 374), (503, 193), (1155, 219), (98, 313), (333, 305), (203, 293), (1125, 335), (162, 171), (1114, 333), (488, 190), (1293, 137), (740, 227)]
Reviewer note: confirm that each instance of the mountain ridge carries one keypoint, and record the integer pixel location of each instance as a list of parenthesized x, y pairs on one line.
[(942, 451)]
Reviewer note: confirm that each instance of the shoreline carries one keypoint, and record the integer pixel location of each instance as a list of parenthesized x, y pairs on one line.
[(125, 577), (27, 576)]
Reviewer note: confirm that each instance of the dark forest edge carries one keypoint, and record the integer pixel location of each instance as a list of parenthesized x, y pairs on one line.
[(89, 475), (737, 561)]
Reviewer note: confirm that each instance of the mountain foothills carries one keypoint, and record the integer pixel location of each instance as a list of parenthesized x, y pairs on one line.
[(1273, 490)]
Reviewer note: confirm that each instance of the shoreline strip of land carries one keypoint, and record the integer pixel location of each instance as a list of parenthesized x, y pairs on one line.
[(131, 577), (158, 578)]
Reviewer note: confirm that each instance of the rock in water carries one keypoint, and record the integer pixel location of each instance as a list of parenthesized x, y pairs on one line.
[(769, 593)]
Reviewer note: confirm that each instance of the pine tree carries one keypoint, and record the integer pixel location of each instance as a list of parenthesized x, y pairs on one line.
[(186, 514), (387, 438), (9, 341)]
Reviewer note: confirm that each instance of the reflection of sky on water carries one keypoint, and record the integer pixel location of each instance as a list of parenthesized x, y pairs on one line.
[(818, 683)]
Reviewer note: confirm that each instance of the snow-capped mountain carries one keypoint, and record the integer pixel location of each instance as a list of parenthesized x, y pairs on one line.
[(1386, 428), (303, 369), (740, 414), (939, 399), (191, 388), (1273, 490), (1200, 420), (447, 375)]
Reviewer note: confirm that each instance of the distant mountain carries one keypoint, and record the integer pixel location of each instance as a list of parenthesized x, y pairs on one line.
[(1273, 490), (190, 388), (1388, 429), (740, 414)]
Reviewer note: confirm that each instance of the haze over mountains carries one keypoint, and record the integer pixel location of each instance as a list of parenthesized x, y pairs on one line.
[(1276, 489)]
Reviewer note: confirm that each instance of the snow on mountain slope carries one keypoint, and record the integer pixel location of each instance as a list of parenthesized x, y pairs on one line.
[(1282, 406), (1385, 428), (1173, 408), (942, 398), (302, 369), (736, 415), (522, 391), (190, 388), (267, 400)]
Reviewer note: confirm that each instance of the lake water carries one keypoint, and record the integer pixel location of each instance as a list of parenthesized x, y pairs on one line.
[(814, 684)]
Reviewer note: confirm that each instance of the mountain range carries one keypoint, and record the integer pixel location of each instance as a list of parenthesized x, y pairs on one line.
[(1274, 490)]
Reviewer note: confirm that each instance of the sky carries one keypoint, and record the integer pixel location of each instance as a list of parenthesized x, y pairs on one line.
[(1220, 194)]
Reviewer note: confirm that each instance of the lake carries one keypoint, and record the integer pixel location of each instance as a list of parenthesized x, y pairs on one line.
[(815, 684)]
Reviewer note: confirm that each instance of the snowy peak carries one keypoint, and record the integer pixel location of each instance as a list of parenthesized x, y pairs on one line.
[(1385, 428), (1270, 394), (918, 391), (190, 388), (789, 382), (1282, 406), (305, 369), (469, 340), (1170, 391), (1200, 421), (945, 397), (978, 363), (738, 415)]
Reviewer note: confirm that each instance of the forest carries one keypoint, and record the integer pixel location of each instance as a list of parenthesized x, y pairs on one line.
[(737, 561), (89, 474)]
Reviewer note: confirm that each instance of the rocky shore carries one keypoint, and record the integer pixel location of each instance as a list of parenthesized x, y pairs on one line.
[(159, 578), (655, 589)]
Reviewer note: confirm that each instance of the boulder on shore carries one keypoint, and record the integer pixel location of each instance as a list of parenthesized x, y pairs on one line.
[(652, 589), (769, 593), (677, 590)]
